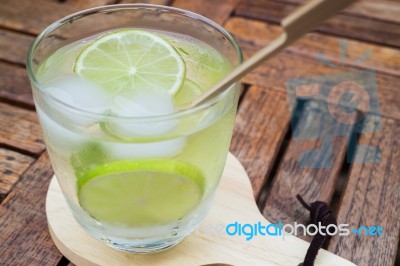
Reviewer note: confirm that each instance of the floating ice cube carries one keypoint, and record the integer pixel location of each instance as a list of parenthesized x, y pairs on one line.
[(80, 94), (58, 137), (166, 148), (142, 105)]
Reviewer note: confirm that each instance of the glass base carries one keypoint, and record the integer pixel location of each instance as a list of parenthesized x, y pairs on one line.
[(145, 249), (142, 240)]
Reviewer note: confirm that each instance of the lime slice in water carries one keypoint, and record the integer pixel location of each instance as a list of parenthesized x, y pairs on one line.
[(141, 192), (132, 60)]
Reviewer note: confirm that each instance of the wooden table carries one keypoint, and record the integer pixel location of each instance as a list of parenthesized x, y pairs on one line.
[(359, 193)]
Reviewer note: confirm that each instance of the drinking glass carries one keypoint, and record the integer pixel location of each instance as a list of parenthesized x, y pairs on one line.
[(179, 154)]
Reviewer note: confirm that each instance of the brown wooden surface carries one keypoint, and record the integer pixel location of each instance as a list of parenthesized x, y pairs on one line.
[(33, 16), (346, 25), (217, 10), (20, 129), (261, 125), (257, 33), (311, 183), (154, 2), (15, 87), (12, 165), (361, 194), (378, 10), (300, 60), (24, 237), (373, 193), (17, 52)]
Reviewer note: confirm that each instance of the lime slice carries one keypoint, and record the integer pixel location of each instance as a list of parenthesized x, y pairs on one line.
[(141, 192), (132, 60), (189, 91)]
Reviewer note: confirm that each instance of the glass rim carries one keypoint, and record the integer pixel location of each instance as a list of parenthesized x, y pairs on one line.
[(117, 7)]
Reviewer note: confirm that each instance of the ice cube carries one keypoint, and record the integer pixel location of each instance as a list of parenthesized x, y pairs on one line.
[(142, 105), (59, 138), (166, 148), (81, 94)]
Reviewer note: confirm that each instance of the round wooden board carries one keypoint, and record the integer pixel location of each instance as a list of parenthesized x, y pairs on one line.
[(209, 244)]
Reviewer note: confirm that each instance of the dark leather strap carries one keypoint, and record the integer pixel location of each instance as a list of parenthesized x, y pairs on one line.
[(319, 213)]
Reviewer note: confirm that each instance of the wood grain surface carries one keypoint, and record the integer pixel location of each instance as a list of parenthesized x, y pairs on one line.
[(290, 64), (79, 4), (263, 140), (17, 52), (286, 66), (217, 10), (12, 165), (25, 134), (260, 128), (372, 197), (38, 14), (383, 10), (24, 237), (344, 25), (154, 2), (15, 87), (313, 176), (379, 58)]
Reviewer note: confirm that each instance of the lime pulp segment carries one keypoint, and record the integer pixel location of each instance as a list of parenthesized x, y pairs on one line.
[(132, 60), (141, 192)]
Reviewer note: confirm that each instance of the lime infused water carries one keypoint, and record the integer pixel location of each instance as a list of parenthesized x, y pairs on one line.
[(137, 173)]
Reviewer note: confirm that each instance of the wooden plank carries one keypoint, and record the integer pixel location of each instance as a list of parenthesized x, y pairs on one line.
[(14, 84), (382, 59), (260, 128), (217, 10), (14, 46), (24, 238), (87, 3), (154, 2), (20, 129), (94, 3), (311, 164), (12, 165), (284, 67), (371, 198), (38, 14), (345, 25), (382, 10), (287, 65)]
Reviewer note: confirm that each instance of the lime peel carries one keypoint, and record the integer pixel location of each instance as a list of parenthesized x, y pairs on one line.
[(152, 165)]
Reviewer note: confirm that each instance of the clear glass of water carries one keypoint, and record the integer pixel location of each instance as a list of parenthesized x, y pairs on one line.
[(137, 174)]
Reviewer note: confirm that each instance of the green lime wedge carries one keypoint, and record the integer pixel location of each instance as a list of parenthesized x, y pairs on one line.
[(132, 60), (141, 192)]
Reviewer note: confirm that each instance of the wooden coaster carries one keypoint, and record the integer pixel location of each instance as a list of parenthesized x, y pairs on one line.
[(209, 244)]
